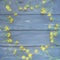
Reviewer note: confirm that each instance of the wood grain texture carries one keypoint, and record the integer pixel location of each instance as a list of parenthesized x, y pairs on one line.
[(32, 22), (30, 29)]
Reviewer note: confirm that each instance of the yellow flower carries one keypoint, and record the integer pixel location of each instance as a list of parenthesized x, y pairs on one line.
[(43, 48), (49, 26), (8, 34), (8, 8), (30, 55), (21, 47), (55, 28), (11, 20), (17, 42), (43, 11), (51, 37), (14, 52), (23, 57), (9, 17), (9, 40), (15, 14), (27, 58), (25, 8), (52, 41), (31, 8), (57, 25), (44, 1), (36, 51), (55, 33), (51, 33), (46, 46), (49, 14), (27, 51), (51, 19), (20, 8), (7, 28), (36, 6)]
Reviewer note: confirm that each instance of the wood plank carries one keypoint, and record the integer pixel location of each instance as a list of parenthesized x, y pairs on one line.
[(52, 6), (29, 38), (8, 53), (37, 22)]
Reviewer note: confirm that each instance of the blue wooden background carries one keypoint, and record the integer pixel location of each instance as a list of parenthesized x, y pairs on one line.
[(30, 28)]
